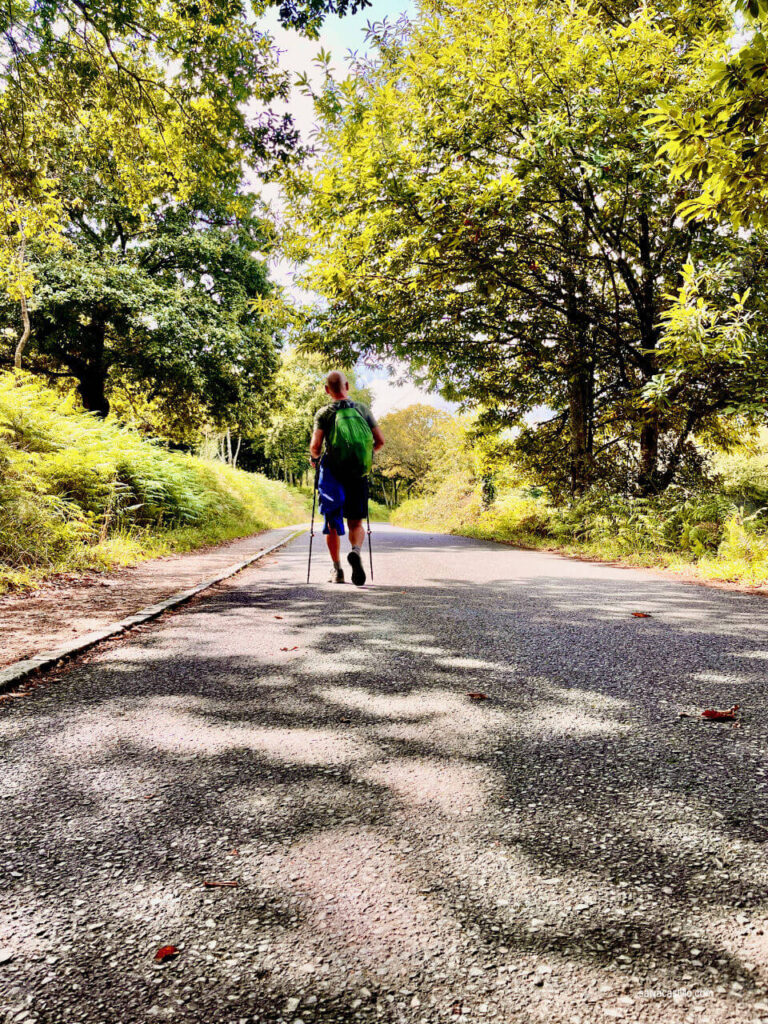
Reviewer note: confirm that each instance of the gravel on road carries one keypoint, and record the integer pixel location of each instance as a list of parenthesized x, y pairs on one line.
[(567, 849)]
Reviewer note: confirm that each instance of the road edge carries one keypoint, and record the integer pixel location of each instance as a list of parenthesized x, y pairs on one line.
[(15, 673)]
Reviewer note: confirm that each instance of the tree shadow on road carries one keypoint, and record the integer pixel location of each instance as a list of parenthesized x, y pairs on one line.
[(553, 851)]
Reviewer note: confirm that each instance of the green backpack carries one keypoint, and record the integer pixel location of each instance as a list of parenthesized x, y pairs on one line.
[(351, 443)]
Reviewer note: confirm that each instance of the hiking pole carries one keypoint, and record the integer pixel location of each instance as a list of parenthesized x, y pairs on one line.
[(370, 549), (312, 526)]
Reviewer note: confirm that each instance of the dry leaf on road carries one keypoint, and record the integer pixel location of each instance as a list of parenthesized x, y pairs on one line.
[(165, 953), (714, 715)]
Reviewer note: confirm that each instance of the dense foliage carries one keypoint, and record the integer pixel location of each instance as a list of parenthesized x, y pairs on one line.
[(717, 135), (717, 530), (77, 492), (488, 204), (162, 297), (131, 252), (403, 464)]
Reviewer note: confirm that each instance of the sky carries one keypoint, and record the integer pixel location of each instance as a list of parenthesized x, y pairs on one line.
[(338, 37)]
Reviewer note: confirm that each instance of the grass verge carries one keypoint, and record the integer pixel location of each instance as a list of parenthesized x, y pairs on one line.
[(705, 536), (78, 493)]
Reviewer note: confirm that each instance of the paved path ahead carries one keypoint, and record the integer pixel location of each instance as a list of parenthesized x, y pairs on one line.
[(566, 850)]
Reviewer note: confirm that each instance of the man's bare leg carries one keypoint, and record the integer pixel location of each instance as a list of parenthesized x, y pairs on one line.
[(356, 538), (356, 533), (333, 541)]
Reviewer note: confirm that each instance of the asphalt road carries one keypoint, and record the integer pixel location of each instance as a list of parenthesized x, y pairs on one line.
[(567, 849)]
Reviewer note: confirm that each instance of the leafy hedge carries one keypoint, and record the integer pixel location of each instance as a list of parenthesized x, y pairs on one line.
[(77, 491), (709, 533)]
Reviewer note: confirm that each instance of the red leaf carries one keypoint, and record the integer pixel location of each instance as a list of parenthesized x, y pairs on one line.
[(478, 696), (165, 953), (715, 715), (642, 615), (278, 616), (289, 648)]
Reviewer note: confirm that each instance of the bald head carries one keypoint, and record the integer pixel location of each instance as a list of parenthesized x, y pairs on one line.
[(336, 384)]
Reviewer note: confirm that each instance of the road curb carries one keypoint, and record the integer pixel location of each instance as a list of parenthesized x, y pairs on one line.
[(13, 674)]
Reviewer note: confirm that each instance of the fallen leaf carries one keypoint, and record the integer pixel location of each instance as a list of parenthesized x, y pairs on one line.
[(718, 716), (642, 615), (220, 885), (166, 953), (234, 853), (478, 696), (289, 648), (278, 616)]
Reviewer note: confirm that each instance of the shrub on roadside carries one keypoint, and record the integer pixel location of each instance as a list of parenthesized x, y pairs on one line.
[(77, 491), (677, 528)]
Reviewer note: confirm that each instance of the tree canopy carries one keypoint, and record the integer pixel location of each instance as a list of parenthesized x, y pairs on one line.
[(131, 245), (488, 204), (717, 134), (407, 457)]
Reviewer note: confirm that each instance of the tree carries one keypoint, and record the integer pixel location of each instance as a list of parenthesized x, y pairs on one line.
[(173, 92), (161, 296), (488, 205), (406, 458), (716, 135)]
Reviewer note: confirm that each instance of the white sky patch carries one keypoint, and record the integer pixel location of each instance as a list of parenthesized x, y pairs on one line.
[(389, 395)]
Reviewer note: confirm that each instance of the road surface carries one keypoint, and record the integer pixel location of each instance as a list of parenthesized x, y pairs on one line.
[(567, 849)]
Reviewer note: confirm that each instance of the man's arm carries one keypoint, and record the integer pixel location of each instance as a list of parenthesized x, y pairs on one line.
[(316, 444), (378, 439)]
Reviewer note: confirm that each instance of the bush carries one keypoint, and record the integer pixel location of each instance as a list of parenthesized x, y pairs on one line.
[(678, 528), (673, 521), (744, 473), (77, 491)]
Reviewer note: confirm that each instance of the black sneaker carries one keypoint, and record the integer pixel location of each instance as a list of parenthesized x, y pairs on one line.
[(337, 575), (358, 572)]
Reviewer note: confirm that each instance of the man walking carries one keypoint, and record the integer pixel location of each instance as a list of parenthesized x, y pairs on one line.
[(351, 435)]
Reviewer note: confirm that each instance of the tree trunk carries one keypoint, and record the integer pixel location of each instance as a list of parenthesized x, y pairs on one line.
[(647, 478), (24, 334), (90, 387), (92, 377), (580, 381), (24, 310), (580, 401)]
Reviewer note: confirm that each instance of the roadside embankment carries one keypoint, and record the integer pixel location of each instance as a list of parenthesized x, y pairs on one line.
[(78, 493), (708, 536)]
